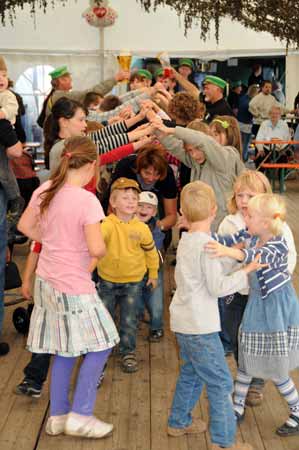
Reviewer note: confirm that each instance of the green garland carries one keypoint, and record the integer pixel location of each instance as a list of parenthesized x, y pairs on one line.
[(9, 8)]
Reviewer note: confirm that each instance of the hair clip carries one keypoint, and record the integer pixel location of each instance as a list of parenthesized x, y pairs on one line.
[(68, 155), (223, 123), (276, 215)]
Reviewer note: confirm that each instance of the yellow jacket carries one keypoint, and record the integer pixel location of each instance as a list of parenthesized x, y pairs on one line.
[(131, 251)]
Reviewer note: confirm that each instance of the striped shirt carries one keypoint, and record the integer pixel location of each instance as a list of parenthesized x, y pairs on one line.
[(110, 137), (274, 253)]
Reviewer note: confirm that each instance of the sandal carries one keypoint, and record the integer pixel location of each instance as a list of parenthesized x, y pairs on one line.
[(287, 430), (254, 397), (129, 363)]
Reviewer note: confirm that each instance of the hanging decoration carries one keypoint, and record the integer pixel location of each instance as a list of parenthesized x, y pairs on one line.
[(99, 14), (280, 18)]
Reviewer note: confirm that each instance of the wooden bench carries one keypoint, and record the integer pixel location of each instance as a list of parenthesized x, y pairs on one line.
[(282, 174)]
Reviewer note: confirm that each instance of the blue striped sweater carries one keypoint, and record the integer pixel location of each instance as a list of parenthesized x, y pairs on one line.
[(274, 253)]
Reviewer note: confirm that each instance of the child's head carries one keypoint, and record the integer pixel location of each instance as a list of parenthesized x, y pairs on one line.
[(124, 197), (92, 100), (110, 102), (147, 206), (183, 108), (198, 202), (246, 186), (196, 152), (225, 130), (266, 214), (3, 75), (79, 153)]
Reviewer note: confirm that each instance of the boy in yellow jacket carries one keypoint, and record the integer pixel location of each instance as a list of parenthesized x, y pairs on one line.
[(131, 253)]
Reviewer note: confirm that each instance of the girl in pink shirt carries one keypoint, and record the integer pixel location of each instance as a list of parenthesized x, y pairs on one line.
[(68, 318)]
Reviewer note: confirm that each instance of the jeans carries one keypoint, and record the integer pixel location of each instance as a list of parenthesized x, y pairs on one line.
[(246, 138), (153, 300), (127, 296), (3, 243), (224, 334), (203, 363), (37, 369)]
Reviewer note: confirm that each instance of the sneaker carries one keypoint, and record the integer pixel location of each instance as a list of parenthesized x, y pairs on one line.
[(55, 425), (86, 426), (287, 429), (4, 348), (28, 387), (156, 335), (235, 446), (196, 427), (239, 417)]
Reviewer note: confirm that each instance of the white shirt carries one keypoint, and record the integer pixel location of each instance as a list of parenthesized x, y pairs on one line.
[(268, 131), (260, 106), (200, 280)]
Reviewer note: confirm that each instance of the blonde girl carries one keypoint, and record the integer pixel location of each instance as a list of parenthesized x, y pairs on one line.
[(68, 318), (269, 332), (247, 185)]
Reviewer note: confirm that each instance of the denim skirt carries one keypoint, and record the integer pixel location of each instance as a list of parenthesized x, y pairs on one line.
[(69, 325)]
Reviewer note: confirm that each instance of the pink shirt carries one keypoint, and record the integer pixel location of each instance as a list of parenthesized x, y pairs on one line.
[(65, 258)]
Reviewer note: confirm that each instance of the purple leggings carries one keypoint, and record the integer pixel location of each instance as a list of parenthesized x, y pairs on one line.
[(86, 386)]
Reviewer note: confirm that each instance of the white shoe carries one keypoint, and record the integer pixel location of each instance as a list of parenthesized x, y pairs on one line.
[(55, 425), (86, 426)]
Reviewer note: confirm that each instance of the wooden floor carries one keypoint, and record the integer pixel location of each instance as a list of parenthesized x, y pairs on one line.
[(137, 404)]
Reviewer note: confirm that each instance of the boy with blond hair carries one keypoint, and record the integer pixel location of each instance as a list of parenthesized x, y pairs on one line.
[(8, 102), (131, 254), (194, 317)]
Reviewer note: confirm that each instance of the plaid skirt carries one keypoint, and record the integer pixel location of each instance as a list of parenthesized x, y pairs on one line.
[(69, 325)]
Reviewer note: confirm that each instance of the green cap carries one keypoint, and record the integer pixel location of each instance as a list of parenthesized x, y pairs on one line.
[(211, 79), (159, 72), (186, 62), (236, 83), (59, 72), (145, 73)]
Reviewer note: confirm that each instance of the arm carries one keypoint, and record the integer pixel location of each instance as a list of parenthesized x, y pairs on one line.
[(253, 106), (186, 84), (170, 210), (29, 224), (261, 136), (94, 240), (15, 151), (28, 273), (10, 110), (176, 148), (101, 88), (116, 154), (151, 255)]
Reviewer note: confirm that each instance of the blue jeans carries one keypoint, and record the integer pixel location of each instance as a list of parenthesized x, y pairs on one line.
[(203, 363), (246, 138), (127, 296), (153, 300), (224, 334), (3, 243)]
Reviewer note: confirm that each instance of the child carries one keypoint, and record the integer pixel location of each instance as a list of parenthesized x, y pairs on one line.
[(216, 163), (152, 300), (69, 319), (8, 102), (247, 185), (130, 255), (194, 317), (269, 332)]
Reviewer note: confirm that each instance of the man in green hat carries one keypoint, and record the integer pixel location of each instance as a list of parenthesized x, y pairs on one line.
[(214, 89), (148, 77), (61, 81), (185, 67), (159, 75)]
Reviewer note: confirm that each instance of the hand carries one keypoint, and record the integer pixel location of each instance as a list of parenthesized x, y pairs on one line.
[(122, 75), (254, 265), (182, 223), (114, 119), (217, 250), (126, 112), (261, 153), (7, 254), (141, 143), (92, 264), (26, 289), (153, 282)]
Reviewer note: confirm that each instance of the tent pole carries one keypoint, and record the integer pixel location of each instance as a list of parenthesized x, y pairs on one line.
[(102, 53)]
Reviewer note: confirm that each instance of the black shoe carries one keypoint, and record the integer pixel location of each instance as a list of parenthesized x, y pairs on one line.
[(239, 417), (4, 348), (28, 387), (287, 430), (156, 335)]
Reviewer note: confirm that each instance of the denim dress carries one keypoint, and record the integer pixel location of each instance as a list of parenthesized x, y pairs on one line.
[(269, 332)]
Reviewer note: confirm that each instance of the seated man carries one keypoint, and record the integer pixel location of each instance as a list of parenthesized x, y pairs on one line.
[(272, 128)]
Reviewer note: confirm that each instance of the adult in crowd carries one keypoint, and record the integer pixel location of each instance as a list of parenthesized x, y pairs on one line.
[(245, 118), (185, 69), (62, 84), (261, 105), (256, 77), (278, 92), (272, 128), (214, 92), (21, 112), (10, 147), (159, 75), (235, 95)]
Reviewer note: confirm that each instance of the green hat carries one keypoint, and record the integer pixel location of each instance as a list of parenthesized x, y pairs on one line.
[(159, 72), (236, 83), (186, 62), (145, 73), (211, 79), (59, 72)]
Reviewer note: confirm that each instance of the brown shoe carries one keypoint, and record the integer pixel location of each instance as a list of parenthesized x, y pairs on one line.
[(196, 427), (236, 446), (254, 397)]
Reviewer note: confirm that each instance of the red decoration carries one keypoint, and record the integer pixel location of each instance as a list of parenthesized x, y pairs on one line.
[(100, 12)]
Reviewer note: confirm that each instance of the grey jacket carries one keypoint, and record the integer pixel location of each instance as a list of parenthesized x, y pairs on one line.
[(220, 169)]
